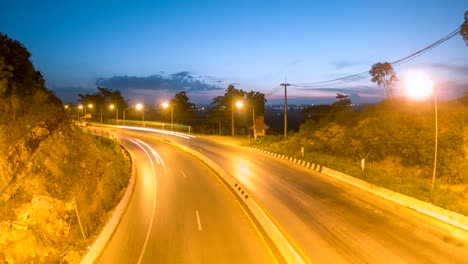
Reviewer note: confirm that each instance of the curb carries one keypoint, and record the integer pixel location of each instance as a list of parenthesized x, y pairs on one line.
[(106, 233), (444, 215)]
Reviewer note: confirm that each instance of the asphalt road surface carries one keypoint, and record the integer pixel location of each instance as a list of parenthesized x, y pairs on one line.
[(180, 212), (330, 221)]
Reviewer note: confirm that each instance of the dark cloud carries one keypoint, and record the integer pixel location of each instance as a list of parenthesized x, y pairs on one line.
[(181, 81)]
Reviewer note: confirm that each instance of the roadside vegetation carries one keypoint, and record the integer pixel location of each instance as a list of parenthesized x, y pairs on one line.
[(52, 174), (396, 140)]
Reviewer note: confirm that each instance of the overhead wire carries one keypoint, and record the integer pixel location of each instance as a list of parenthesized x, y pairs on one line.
[(364, 74)]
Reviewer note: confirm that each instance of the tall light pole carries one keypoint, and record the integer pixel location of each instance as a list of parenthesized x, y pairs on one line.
[(239, 105), (90, 106), (253, 120), (140, 107), (285, 108), (112, 106), (419, 86), (166, 105), (124, 114)]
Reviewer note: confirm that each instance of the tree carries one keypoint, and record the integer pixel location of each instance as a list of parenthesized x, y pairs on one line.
[(222, 106), (384, 75), (343, 102), (257, 101), (464, 29), (184, 110), (103, 99)]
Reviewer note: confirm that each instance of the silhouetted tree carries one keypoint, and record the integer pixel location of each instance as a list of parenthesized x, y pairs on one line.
[(343, 102), (184, 110), (464, 29), (384, 75)]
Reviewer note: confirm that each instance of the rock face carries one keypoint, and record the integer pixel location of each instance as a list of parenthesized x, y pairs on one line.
[(49, 168)]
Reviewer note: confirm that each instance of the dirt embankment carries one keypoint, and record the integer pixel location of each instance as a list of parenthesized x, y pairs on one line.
[(43, 191)]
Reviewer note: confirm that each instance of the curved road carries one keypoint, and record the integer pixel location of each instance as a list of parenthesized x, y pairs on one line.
[(330, 221), (180, 212)]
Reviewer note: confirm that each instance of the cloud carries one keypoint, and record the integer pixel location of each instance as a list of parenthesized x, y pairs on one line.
[(181, 81), (453, 68), (346, 64)]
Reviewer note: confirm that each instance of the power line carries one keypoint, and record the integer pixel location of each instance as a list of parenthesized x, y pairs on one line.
[(358, 76)]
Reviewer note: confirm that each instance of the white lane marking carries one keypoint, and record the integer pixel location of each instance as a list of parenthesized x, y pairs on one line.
[(198, 220), (183, 173), (154, 204), (158, 158)]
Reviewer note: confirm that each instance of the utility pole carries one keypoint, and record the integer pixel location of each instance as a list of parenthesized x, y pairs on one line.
[(285, 108)]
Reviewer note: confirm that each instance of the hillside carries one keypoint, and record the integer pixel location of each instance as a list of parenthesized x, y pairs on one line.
[(48, 169), (396, 141)]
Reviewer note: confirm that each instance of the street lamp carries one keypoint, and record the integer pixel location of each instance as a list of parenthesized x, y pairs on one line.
[(238, 104), (112, 106), (140, 107), (81, 108), (418, 87), (166, 105)]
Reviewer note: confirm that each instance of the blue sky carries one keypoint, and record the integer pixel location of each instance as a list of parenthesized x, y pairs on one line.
[(254, 44)]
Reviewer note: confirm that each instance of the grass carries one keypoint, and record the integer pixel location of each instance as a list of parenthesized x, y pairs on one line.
[(410, 181)]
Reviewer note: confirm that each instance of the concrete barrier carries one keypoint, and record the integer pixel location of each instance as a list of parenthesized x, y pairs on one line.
[(106, 233)]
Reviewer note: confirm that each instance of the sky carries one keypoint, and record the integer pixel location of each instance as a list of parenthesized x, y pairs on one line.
[(255, 45)]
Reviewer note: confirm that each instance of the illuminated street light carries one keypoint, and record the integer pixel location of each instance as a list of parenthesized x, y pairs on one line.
[(112, 107), (238, 104), (139, 107), (419, 86), (81, 108), (167, 105)]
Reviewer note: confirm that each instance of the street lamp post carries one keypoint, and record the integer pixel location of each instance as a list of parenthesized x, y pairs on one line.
[(81, 108), (112, 106), (253, 120), (419, 86), (238, 104), (140, 107), (124, 114), (166, 105)]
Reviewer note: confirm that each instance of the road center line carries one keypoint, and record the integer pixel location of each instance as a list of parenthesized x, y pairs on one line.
[(183, 173), (198, 220)]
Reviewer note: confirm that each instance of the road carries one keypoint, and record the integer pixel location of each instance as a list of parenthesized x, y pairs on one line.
[(180, 212), (330, 221)]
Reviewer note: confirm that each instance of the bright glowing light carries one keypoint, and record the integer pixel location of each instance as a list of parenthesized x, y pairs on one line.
[(66, 106), (139, 106), (239, 104), (165, 104), (90, 106), (111, 107), (80, 106), (418, 86)]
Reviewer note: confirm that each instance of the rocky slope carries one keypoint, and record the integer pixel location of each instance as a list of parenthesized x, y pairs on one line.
[(50, 171)]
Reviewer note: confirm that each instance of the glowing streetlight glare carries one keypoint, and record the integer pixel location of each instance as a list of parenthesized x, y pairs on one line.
[(139, 106), (111, 107), (418, 86), (80, 106), (239, 104), (165, 104), (90, 106)]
